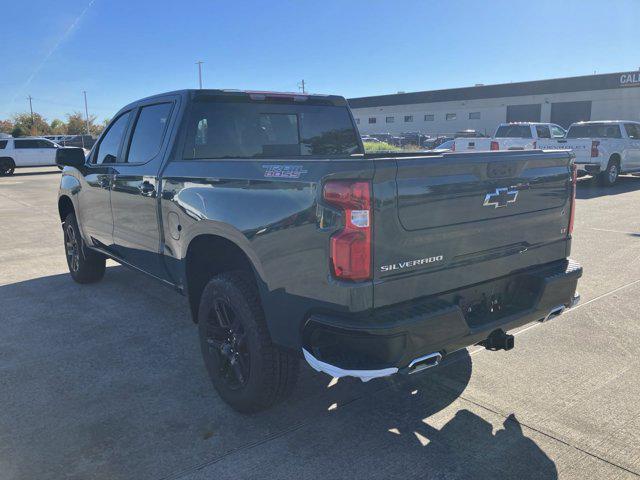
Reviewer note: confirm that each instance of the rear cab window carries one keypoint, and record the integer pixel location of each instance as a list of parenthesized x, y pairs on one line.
[(594, 130), (513, 131), (543, 131), (223, 127)]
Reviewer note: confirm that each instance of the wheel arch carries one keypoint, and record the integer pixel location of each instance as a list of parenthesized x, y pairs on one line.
[(208, 255), (65, 207)]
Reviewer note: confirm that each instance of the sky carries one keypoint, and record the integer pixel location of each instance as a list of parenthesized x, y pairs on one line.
[(119, 51)]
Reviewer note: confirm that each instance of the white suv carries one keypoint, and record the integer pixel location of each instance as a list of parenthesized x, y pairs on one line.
[(26, 152)]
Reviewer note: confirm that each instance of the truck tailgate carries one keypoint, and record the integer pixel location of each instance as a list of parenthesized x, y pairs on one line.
[(459, 219)]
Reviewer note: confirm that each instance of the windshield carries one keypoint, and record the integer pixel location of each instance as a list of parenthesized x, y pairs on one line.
[(263, 129), (594, 130), (513, 131)]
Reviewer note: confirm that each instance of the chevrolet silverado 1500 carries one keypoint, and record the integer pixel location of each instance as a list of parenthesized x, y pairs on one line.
[(290, 242)]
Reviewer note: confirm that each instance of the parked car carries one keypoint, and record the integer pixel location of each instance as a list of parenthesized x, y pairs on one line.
[(290, 242), (370, 139), (603, 149), (445, 147), (26, 152), (82, 141), (435, 142), (513, 136)]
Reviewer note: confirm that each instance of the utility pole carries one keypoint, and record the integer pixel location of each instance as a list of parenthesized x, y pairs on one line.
[(86, 111), (33, 127), (301, 86), (199, 63), (86, 115)]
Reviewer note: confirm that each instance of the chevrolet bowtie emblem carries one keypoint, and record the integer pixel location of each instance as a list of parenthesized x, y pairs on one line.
[(500, 198)]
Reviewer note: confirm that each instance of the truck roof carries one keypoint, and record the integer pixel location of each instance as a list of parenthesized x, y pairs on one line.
[(605, 121), (193, 92)]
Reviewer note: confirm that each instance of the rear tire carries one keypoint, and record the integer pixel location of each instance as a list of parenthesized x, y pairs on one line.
[(609, 177), (249, 372), (7, 166), (85, 265)]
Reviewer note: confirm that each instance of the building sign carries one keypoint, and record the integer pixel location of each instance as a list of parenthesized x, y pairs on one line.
[(630, 79)]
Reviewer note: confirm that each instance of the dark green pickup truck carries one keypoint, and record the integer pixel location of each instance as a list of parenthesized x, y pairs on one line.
[(291, 242)]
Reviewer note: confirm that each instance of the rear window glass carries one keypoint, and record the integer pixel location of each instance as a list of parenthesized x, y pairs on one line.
[(218, 129), (513, 131), (594, 130)]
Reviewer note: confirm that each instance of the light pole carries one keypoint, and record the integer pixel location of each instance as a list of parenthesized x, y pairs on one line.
[(199, 63)]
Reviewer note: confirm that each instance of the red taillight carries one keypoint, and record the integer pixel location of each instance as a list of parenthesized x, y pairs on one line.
[(594, 148), (574, 181), (494, 146), (351, 246)]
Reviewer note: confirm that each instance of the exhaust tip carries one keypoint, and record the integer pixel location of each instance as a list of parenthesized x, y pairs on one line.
[(422, 363), (554, 312)]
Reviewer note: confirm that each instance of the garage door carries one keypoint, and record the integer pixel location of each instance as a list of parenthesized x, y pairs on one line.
[(523, 113), (566, 113)]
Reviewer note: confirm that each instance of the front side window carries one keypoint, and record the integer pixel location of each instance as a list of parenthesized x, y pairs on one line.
[(236, 129), (107, 151), (451, 116), (557, 132), (543, 131), (148, 133), (632, 130), (26, 144), (408, 118)]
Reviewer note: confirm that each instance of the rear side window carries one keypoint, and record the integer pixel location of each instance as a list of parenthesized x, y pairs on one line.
[(217, 129), (148, 132), (107, 151), (3, 144), (513, 131), (26, 144), (557, 132), (594, 130), (543, 131)]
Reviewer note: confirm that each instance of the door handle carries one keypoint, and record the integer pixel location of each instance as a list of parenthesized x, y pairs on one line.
[(146, 189), (104, 182)]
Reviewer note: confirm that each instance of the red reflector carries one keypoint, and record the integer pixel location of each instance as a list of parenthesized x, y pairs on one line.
[(535, 144), (453, 147), (594, 148), (494, 146), (351, 247), (574, 181)]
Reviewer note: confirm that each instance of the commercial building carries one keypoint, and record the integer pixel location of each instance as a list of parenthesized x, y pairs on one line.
[(612, 96)]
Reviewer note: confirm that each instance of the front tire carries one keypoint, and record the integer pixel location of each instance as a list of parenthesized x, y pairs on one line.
[(249, 372), (609, 177), (7, 166), (85, 265)]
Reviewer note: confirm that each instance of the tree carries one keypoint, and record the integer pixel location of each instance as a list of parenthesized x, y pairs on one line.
[(23, 124), (76, 124), (58, 127), (6, 126)]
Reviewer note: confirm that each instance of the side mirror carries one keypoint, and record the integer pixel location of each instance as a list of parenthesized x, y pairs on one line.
[(70, 157)]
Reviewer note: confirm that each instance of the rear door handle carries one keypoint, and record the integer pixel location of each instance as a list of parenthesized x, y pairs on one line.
[(146, 189)]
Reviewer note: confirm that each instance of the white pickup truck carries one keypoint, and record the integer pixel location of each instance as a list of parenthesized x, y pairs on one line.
[(513, 136), (26, 152), (602, 148)]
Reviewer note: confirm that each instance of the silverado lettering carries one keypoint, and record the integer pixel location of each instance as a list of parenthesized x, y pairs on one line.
[(411, 263)]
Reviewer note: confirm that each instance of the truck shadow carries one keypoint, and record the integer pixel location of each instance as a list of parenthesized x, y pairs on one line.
[(106, 381), (25, 172), (589, 188)]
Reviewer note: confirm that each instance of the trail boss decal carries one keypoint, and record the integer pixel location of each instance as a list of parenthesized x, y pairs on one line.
[(411, 263), (283, 171)]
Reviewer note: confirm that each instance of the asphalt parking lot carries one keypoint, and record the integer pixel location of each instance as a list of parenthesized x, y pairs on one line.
[(106, 381)]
